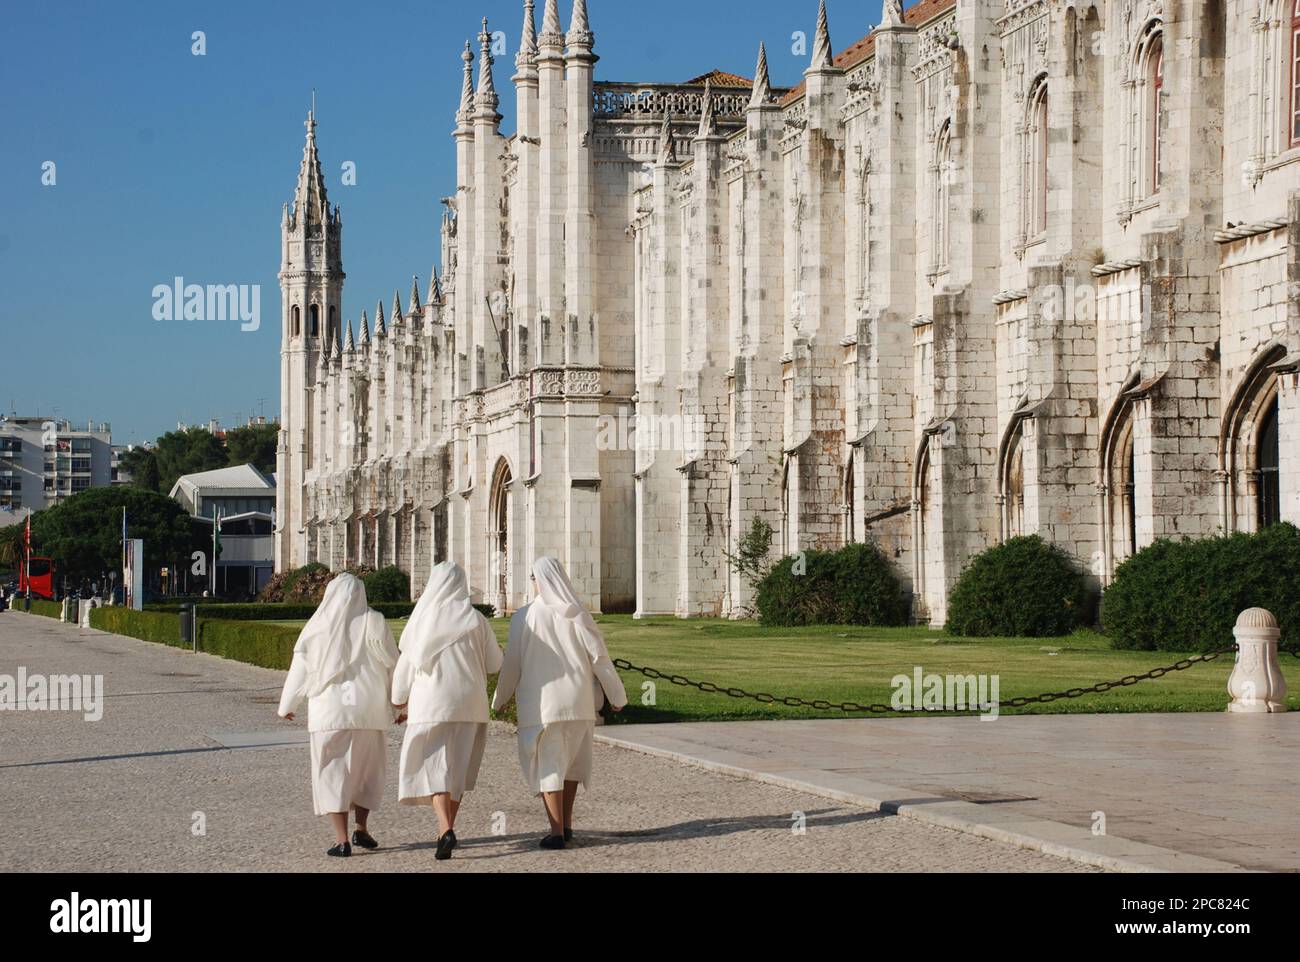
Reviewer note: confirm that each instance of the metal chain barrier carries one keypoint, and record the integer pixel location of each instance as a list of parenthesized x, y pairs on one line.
[(879, 709)]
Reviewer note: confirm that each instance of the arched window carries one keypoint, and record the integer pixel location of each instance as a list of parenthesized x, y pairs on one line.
[(943, 174), (1269, 497), (1249, 463), (1293, 69), (1154, 121), (1015, 491), (786, 541), (297, 321), (850, 526), (1036, 164), (1117, 476), (314, 314), (499, 535)]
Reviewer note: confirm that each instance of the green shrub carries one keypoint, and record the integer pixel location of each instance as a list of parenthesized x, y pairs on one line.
[(1023, 587), (855, 585), (1186, 595), (305, 584), (154, 626), (46, 609), (270, 646), (387, 584)]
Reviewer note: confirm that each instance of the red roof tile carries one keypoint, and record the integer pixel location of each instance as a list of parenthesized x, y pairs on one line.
[(720, 78), (854, 54)]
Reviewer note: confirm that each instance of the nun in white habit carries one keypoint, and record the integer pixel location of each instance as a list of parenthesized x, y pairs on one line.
[(557, 669), (440, 684), (343, 668)]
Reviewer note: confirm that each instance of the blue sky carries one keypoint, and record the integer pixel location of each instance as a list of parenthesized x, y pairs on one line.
[(169, 164)]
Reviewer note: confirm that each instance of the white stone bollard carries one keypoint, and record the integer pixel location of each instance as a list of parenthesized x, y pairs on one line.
[(1256, 683)]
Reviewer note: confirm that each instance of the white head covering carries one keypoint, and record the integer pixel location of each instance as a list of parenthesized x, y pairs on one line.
[(555, 594), (443, 616), (557, 600), (337, 636)]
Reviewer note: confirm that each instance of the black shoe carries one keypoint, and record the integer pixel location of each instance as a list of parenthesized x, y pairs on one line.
[(446, 842), (568, 835), (341, 850), (364, 839), (552, 842)]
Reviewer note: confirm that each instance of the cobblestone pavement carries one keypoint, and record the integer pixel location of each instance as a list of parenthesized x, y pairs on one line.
[(127, 792)]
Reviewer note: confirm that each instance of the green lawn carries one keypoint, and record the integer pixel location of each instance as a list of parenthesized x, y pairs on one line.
[(846, 663)]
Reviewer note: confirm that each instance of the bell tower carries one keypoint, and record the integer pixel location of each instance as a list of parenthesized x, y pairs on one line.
[(311, 298)]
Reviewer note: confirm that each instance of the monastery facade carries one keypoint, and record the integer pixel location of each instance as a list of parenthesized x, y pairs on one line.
[(999, 267)]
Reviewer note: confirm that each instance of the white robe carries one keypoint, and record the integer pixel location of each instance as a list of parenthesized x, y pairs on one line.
[(448, 650), (552, 667), (342, 668), (557, 669)]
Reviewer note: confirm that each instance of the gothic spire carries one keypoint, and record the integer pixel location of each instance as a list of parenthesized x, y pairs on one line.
[(380, 327), (552, 32), (822, 57), (467, 85), (528, 42), (414, 307), (580, 34), (365, 329), (487, 91), (435, 286), (351, 344), (893, 13), (309, 199), (395, 315), (666, 152), (707, 127), (762, 83)]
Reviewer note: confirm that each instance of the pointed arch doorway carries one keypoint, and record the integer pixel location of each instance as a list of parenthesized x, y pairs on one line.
[(499, 536)]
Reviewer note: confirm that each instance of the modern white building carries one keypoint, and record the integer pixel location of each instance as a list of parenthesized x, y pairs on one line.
[(44, 460), (245, 500)]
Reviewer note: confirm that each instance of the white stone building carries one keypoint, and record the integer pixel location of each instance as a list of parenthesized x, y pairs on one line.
[(999, 267)]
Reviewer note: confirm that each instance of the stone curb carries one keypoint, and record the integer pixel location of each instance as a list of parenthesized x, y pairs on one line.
[(1039, 835)]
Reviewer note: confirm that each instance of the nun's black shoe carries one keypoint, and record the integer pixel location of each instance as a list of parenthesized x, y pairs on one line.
[(552, 842), (446, 842), (568, 835), (341, 850), (364, 839)]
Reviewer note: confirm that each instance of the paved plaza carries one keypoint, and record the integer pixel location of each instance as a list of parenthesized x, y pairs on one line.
[(1178, 792), (183, 734), (190, 770)]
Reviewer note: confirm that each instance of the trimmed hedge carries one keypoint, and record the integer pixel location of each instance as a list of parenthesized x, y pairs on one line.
[(267, 611), (46, 609), (156, 626), (1022, 588), (270, 646), (1186, 595), (855, 585)]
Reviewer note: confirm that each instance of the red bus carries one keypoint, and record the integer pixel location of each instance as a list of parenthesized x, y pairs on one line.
[(38, 575)]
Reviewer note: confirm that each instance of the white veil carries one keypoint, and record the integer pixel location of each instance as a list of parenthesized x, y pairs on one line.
[(442, 616), (337, 634)]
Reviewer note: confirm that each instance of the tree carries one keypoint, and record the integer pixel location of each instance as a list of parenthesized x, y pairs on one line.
[(84, 533), (11, 544), (750, 560), (187, 452), (254, 444), (141, 465)]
